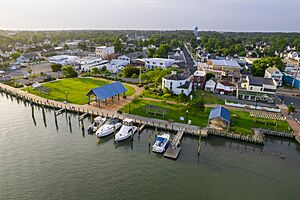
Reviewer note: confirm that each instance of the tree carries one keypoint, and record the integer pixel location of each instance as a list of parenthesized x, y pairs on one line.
[(291, 108), (162, 51), (151, 52), (95, 71), (129, 71), (56, 67), (66, 47), (117, 44), (69, 71), (259, 66), (15, 55), (196, 104), (209, 76)]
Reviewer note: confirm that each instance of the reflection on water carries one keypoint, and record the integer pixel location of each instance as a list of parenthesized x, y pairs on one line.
[(44, 158)]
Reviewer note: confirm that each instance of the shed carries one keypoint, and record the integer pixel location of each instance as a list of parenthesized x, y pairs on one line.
[(107, 91), (219, 118)]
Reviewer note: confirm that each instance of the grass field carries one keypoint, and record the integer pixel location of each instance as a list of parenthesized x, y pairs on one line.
[(77, 89), (208, 98), (241, 122)]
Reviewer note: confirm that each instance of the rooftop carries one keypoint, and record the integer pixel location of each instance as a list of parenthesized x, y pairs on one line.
[(227, 63), (220, 111), (259, 81)]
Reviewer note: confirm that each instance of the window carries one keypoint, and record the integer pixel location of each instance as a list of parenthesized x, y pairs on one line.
[(251, 88), (181, 91), (161, 63), (154, 63), (261, 89)]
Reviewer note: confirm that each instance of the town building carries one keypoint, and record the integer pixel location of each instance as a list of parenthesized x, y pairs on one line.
[(27, 57), (225, 87), (178, 83), (176, 54), (198, 78), (275, 73), (257, 89), (63, 60), (104, 52), (219, 118), (151, 63), (225, 69), (294, 55), (210, 85), (85, 64)]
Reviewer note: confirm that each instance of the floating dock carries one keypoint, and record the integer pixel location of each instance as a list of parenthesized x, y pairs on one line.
[(173, 151)]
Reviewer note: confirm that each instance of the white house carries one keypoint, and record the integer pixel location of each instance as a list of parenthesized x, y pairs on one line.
[(225, 87), (104, 52), (63, 59), (151, 63), (210, 85), (178, 84), (115, 65), (87, 63), (257, 89), (294, 56), (275, 73), (125, 58)]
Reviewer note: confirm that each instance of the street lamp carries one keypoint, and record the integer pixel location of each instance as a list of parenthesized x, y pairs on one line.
[(129, 108), (66, 96), (256, 102), (186, 113)]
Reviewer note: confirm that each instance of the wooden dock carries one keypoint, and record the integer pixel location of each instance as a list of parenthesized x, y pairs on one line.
[(173, 151)]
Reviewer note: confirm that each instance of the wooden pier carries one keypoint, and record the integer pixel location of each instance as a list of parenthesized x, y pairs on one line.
[(173, 151)]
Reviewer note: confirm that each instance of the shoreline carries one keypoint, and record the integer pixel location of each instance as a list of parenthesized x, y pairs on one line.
[(258, 138)]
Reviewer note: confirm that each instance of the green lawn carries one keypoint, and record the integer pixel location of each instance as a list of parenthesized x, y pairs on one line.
[(208, 98), (77, 89), (242, 123)]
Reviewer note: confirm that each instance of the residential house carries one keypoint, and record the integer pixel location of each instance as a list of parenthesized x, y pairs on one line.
[(178, 83), (73, 44), (257, 89), (294, 56), (210, 85), (275, 73), (28, 57), (177, 55), (151, 63), (104, 52), (198, 78), (225, 87), (125, 58)]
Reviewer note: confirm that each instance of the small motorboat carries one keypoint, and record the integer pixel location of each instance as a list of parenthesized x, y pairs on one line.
[(161, 144), (110, 126), (126, 130), (98, 121)]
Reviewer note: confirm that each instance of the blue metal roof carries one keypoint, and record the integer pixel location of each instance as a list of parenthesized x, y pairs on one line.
[(220, 111), (108, 91)]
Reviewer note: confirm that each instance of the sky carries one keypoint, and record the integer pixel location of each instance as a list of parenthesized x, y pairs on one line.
[(208, 15)]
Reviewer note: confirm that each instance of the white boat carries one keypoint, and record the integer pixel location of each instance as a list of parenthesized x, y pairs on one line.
[(126, 130), (98, 121), (110, 126), (161, 144)]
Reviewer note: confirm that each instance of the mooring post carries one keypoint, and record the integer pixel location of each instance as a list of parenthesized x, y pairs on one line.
[(32, 110), (70, 125)]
